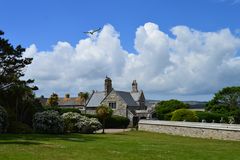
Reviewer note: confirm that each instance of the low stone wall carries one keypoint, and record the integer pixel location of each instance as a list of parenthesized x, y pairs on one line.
[(192, 129)]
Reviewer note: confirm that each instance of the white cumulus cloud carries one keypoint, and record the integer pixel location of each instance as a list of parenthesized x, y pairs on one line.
[(190, 62)]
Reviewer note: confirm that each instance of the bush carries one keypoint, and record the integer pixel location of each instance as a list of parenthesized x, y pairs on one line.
[(114, 121), (168, 116), (48, 122), (70, 119), (165, 107), (90, 115), (209, 117), (3, 120), (62, 110), (117, 122), (184, 115), (88, 125), (19, 127)]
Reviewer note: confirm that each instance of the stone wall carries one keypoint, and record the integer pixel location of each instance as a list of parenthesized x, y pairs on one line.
[(121, 106), (192, 129)]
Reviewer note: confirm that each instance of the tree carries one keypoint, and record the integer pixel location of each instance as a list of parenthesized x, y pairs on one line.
[(85, 97), (16, 94), (226, 101), (53, 100), (164, 108), (103, 112)]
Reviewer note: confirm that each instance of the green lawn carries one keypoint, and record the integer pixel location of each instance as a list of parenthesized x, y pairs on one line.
[(133, 145)]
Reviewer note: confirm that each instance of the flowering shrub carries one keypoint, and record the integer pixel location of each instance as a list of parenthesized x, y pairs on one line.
[(88, 125), (70, 119), (3, 120), (48, 122)]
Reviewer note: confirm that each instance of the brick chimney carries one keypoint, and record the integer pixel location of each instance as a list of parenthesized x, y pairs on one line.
[(108, 85), (134, 86), (67, 95)]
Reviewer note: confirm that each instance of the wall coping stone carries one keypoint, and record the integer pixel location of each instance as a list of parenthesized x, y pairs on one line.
[(215, 126)]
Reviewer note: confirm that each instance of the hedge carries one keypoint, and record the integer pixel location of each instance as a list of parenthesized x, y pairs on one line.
[(62, 110), (114, 121), (210, 117)]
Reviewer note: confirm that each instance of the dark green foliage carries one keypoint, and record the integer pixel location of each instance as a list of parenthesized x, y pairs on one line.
[(210, 117), (226, 100), (166, 107), (90, 115), (117, 122), (19, 127), (184, 115), (48, 122), (113, 122), (168, 116), (16, 94), (3, 120), (61, 110)]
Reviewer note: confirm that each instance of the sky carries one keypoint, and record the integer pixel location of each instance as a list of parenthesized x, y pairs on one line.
[(186, 49)]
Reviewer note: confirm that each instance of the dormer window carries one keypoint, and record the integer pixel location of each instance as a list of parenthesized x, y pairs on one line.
[(112, 105)]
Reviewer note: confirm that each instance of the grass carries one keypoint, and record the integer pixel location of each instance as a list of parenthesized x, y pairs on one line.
[(133, 145)]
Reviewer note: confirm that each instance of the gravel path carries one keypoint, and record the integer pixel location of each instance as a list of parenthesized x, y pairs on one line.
[(114, 130)]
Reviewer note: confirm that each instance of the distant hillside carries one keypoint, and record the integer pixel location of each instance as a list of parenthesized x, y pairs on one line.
[(196, 104), (193, 104)]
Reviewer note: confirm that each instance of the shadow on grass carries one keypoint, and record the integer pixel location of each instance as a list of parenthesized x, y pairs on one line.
[(21, 142), (29, 138)]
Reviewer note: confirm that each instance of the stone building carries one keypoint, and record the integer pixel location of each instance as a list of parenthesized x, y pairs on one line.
[(122, 103)]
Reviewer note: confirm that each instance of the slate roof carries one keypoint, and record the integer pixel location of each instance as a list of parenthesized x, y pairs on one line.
[(136, 95), (96, 99), (127, 97)]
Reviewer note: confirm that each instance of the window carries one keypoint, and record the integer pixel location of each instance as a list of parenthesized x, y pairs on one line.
[(112, 105)]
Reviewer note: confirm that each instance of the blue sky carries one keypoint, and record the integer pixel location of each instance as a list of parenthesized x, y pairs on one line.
[(186, 49), (47, 21)]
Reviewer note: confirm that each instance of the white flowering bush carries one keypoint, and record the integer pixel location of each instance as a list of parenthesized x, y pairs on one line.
[(70, 119), (88, 125), (3, 120), (48, 122)]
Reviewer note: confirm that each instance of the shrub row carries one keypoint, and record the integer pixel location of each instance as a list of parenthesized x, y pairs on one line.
[(54, 123), (200, 116), (114, 121), (210, 117), (61, 110)]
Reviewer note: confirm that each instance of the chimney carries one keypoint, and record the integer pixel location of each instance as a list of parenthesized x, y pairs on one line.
[(108, 85), (79, 94), (67, 95), (134, 86)]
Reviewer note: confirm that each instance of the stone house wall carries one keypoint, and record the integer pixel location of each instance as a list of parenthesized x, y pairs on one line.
[(121, 106)]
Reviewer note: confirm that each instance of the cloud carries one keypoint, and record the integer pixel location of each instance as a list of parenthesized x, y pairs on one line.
[(189, 63), (232, 2)]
